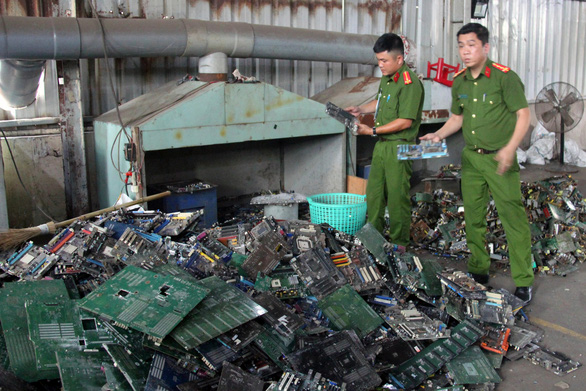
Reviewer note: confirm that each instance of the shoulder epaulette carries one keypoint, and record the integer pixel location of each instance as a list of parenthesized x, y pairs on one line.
[(460, 72), (407, 78), (500, 67)]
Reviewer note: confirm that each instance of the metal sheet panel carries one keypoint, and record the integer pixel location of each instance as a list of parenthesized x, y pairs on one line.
[(543, 41), (244, 103)]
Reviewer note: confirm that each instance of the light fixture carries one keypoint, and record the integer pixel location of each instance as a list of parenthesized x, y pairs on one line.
[(479, 9)]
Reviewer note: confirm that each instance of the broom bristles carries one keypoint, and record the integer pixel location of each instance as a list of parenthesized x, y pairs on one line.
[(14, 237)]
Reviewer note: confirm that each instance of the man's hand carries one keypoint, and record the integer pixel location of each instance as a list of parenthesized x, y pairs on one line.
[(354, 110), (364, 130), (432, 137), (505, 157)]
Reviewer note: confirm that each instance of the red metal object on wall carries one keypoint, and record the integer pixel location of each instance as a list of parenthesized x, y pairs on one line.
[(442, 70)]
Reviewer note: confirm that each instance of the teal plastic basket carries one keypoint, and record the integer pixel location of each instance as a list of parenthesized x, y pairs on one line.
[(343, 211)]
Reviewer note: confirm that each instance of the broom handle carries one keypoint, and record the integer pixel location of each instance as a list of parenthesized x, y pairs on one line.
[(112, 208)]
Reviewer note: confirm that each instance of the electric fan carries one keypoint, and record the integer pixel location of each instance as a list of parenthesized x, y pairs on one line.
[(559, 108)]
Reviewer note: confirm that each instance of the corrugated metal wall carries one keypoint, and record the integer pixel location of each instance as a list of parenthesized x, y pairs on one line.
[(543, 40)]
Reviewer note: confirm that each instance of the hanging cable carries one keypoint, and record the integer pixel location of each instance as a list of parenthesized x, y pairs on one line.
[(118, 139)]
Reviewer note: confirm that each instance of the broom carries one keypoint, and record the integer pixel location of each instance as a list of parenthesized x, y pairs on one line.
[(13, 237)]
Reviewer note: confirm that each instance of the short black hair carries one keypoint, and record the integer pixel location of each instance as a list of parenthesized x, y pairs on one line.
[(389, 42), (480, 31)]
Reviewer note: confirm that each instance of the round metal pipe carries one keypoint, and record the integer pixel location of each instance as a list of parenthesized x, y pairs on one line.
[(33, 38), (19, 81), (213, 67), (312, 45), (131, 38), (28, 38)]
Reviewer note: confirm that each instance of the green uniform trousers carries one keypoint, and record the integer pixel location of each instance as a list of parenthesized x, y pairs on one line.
[(478, 177), (389, 185)]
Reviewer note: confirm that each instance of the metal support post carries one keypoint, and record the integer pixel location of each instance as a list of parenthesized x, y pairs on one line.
[(71, 125)]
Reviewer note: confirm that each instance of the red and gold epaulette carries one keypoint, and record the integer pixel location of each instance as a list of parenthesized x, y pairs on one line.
[(500, 67), (407, 78), (460, 72)]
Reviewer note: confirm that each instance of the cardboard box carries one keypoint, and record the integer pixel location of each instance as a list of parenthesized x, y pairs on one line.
[(356, 185)]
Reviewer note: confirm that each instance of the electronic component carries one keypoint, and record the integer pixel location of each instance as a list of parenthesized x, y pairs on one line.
[(166, 373), (360, 270), (292, 381), (282, 319), (472, 367), (145, 301), (411, 324), (426, 150), (38, 318), (282, 284), (340, 358), (376, 243), (347, 310), (418, 368), (224, 308), (140, 249), (318, 272), (555, 362), (463, 285), (30, 263), (414, 273), (274, 347), (81, 369), (241, 336), (133, 361), (267, 249), (215, 354), (496, 339), (344, 117), (522, 335), (235, 379), (176, 223)]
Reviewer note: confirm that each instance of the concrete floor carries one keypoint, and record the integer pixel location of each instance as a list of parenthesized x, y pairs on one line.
[(557, 307)]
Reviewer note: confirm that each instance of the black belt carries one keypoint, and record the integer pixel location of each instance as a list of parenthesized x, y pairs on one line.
[(394, 139), (483, 151)]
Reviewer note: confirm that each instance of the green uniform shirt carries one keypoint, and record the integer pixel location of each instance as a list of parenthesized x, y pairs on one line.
[(488, 104), (400, 96)]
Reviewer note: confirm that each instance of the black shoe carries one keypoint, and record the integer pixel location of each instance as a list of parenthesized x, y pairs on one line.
[(479, 278), (524, 293)]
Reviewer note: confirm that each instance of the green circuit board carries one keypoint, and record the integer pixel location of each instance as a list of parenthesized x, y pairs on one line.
[(224, 308), (82, 370), (146, 301), (472, 367), (14, 298), (347, 310)]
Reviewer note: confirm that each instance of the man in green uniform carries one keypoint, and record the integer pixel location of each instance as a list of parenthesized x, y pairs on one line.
[(489, 104), (397, 115)]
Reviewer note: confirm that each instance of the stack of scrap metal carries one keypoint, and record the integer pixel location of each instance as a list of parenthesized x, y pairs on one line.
[(146, 301)]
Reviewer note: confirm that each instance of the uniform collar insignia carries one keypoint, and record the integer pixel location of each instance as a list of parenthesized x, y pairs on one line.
[(500, 67)]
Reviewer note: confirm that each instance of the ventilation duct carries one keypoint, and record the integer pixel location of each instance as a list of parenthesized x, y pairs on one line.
[(33, 38)]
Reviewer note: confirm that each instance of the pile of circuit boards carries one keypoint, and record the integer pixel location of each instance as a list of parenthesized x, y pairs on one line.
[(556, 213), (147, 301)]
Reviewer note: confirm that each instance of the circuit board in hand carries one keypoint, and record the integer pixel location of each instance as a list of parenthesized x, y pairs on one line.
[(426, 150), (341, 115)]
